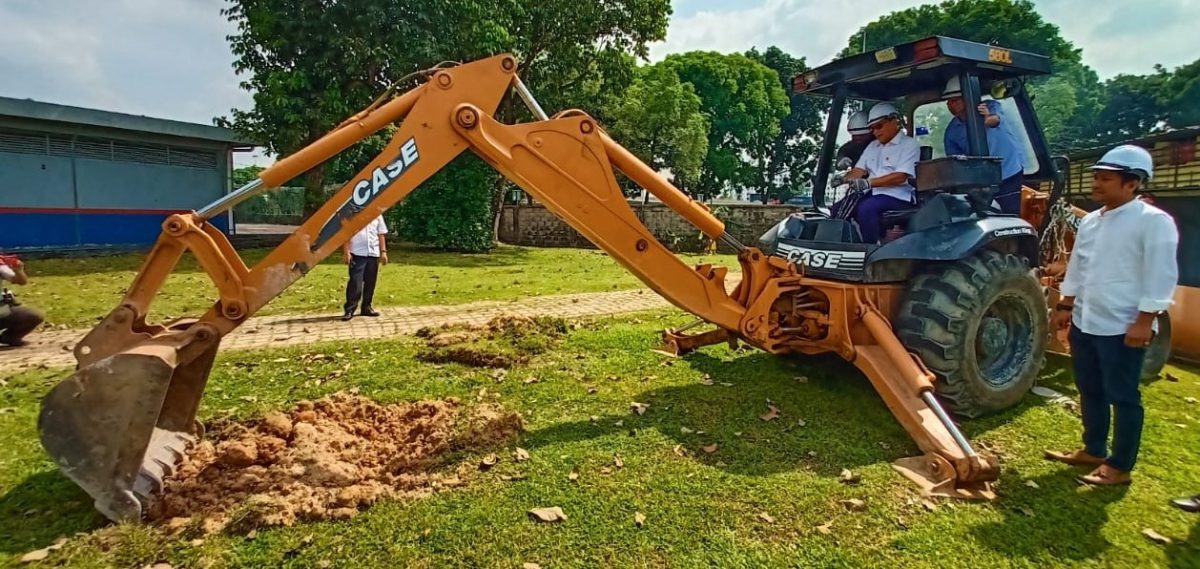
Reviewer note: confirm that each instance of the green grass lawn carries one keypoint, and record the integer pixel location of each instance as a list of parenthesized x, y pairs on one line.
[(702, 510), (77, 291)]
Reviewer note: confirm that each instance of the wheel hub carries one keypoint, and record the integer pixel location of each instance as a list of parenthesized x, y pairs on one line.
[(993, 335)]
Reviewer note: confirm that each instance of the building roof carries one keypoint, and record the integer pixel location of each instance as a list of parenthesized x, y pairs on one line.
[(38, 110), (1171, 135)]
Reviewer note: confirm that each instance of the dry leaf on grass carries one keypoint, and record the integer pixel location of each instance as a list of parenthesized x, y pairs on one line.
[(1032, 484), (1156, 537), (665, 353), (928, 505), (854, 505), (252, 534), (679, 450), (771, 414), (812, 454), (639, 408), (766, 517), (514, 478), (1190, 399), (530, 380), (617, 462), (801, 423), (521, 455), (530, 566), (706, 382), (802, 379), (1025, 511), (1172, 377), (573, 476), (711, 448), (548, 515), (686, 430), (825, 528), (605, 470), (159, 565), (488, 461), (43, 553), (847, 477), (639, 519)]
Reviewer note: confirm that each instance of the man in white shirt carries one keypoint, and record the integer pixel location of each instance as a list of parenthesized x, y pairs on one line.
[(363, 253), (1122, 274), (879, 183), (16, 320)]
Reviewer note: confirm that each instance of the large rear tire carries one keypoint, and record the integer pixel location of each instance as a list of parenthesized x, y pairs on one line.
[(980, 324)]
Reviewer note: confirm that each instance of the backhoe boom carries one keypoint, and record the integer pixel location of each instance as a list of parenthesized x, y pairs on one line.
[(121, 422)]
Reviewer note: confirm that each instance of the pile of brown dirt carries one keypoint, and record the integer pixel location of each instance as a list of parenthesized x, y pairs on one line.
[(503, 342), (325, 459)]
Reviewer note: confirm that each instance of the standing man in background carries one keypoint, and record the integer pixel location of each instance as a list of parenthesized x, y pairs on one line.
[(1121, 275), (362, 254), (16, 319), (1000, 139)]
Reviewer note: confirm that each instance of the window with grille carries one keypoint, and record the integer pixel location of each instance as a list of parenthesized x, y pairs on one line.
[(25, 142)]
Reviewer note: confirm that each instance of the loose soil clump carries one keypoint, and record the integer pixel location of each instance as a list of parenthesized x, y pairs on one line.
[(503, 342), (325, 459)]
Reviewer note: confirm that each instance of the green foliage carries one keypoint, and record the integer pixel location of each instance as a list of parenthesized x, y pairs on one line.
[(790, 159), (745, 104), (312, 64), (451, 210), (245, 175), (659, 120)]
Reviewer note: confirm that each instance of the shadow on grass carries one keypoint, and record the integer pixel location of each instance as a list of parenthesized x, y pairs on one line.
[(1186, 554), (40, 509), (844, 421), (1059, 519)]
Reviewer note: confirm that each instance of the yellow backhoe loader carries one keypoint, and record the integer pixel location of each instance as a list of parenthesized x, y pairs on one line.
[(950, 307)]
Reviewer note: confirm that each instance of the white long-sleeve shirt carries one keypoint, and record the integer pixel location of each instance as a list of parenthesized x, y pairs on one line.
[(1123, 263)]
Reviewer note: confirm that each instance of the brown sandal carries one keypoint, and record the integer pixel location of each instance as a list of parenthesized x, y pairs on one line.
[(1106, 475), (1074, 458)]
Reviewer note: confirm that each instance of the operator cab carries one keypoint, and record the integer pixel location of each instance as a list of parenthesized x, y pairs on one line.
[(953, 214)]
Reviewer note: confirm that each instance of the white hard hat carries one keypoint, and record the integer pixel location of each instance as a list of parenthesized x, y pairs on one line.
[(1127, 158), (858, 123), (882, 111), (953, 89)]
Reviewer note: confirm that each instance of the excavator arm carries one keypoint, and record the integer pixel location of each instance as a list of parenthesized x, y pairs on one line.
[(127, 416)]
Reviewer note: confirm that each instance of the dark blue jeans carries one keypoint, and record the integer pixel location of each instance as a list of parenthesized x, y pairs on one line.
[(1009, 195), (364, 271), (869, 214), (1108, 374)]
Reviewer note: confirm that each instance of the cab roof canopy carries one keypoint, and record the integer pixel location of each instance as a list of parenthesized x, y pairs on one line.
[(923, 65)]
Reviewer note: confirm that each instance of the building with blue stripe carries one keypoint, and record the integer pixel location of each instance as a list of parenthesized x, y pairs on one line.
[(76, 178)]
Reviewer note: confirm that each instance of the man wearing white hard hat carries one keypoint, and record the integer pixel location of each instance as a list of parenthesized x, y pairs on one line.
[(879, 182), (860, 136), (1121, 275), (1002, 142)]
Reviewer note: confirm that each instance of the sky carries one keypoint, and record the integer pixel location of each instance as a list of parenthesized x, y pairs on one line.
[(170, 59)]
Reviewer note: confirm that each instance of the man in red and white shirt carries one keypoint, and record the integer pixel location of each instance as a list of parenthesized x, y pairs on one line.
[(362, 254)]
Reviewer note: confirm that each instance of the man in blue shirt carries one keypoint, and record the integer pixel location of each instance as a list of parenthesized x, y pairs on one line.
[(1002, 142)]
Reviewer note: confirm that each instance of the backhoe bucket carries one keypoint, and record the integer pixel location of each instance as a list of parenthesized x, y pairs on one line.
[(120, 424)]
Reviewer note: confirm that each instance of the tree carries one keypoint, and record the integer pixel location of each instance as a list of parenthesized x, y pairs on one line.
[(1014, 24), (745, 105), (659, 120), (791, 157), (245, 174), (1132, 106), (1180, 95), (311, 63)]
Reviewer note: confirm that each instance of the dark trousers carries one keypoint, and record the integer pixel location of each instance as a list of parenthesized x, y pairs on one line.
[(869, 214), (20, 321), (1108, 374), (1009, 195), (364, 271)]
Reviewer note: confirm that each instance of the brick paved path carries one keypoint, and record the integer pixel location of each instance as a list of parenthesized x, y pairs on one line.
[(53, 348)]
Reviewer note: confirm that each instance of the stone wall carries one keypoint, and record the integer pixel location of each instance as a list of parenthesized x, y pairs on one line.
[(534, 226)]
